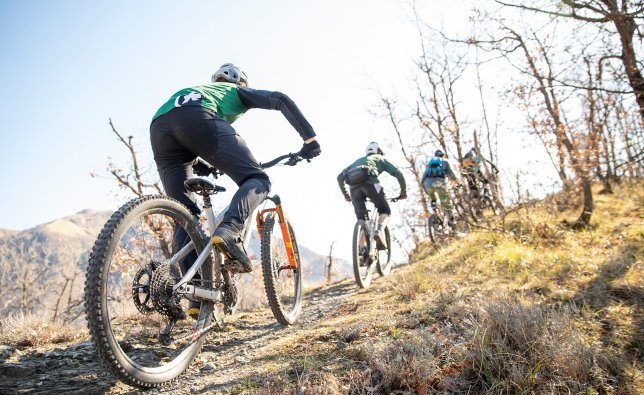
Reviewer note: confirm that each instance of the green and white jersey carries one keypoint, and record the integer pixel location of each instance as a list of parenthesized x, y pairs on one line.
[(220, 97), (229, 102)]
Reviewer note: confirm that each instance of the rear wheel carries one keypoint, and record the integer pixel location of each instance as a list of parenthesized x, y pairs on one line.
[(138, 325), (283, 284), (383, 263), (362, 262)]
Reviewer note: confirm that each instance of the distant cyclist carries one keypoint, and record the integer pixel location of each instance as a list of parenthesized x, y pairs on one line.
[(362, 178), (437, 173), (195, 122), (471, 171)]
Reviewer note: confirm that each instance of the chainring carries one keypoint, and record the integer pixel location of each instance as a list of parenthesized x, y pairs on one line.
[(141, 288)]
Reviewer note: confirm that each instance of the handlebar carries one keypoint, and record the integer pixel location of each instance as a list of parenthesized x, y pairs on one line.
[(293, 159), (203, 168)]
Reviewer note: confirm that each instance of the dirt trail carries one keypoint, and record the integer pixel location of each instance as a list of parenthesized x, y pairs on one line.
[(228, 358)]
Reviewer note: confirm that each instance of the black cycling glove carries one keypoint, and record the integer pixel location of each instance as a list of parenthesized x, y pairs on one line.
[(310, 150)]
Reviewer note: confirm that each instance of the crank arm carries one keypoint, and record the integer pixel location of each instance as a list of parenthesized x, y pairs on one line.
[(193, 292)]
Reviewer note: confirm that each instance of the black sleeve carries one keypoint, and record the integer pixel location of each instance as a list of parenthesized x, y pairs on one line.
[(267, 100), (341, 183)]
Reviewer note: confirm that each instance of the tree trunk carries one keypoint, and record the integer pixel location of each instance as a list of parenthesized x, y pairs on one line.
[(584, 218), (626, 28)]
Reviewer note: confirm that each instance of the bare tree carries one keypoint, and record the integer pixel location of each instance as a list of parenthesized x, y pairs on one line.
[(550, 120), (623, 15), (132, 180)]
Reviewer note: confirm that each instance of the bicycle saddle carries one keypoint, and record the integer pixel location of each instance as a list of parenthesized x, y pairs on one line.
[(202, 187)]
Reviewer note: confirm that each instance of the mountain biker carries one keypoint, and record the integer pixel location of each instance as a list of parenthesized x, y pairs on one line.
[(436, 171), (195, 122), (471, 171), (362, 178)]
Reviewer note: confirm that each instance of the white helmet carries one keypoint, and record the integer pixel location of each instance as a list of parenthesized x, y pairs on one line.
[(230, 73), (373, 148)]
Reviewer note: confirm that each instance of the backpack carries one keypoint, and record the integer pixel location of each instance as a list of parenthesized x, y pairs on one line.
[(435, 168), (357, 175)]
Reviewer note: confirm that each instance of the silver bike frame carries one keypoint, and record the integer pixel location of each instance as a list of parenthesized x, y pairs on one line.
[(213, 222)]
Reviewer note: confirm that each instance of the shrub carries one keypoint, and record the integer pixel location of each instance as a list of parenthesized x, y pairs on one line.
[(519, 349), (19, 330)]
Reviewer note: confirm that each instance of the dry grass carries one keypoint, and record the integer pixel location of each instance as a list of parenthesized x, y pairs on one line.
[(20, 330), (519, 348), (539, 308)]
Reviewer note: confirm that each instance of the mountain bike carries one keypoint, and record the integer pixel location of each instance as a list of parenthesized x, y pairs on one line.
[(136, 294), (365, 255), (480, 199), (442, 228)]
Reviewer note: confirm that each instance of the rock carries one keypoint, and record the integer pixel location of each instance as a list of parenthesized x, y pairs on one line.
[(208, 367), (240, 359), (14, 370), (6, 351)]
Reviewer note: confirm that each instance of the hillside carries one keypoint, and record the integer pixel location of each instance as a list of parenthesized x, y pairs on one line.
[(536, 308)]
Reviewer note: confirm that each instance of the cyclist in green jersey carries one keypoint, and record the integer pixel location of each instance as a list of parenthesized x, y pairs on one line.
[(368, 186), (196, 122)]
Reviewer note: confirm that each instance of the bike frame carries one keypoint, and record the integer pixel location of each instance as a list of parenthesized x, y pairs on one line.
[(213, 222)]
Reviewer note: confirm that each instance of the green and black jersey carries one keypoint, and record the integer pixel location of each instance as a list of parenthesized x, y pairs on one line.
[(377, 164), (229, 101)]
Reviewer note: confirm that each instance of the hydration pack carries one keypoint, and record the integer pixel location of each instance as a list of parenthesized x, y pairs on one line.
[(435, 168), (357, 175)]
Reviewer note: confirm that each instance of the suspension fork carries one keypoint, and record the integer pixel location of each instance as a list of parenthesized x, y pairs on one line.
[(286, 234)]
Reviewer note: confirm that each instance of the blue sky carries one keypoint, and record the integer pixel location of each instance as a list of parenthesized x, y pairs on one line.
[(69, 66)]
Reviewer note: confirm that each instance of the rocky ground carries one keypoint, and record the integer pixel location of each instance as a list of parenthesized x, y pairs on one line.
[(230, 357)]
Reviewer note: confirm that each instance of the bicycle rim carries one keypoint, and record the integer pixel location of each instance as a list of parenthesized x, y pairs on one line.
[(128, 292), (283, 284), (436, 230), (362, 267), (383, 264)]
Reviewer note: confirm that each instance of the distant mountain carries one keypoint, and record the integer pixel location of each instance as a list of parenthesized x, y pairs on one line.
[(47, 256), (53, 242)]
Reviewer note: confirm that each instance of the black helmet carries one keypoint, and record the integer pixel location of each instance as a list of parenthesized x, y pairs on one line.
[(439, 153)]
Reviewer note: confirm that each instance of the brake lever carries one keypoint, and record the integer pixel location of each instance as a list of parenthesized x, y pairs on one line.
[(293, 160)]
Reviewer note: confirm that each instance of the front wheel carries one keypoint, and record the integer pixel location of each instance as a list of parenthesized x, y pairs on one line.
[(283, 283), (362, 262), (437, 230), (138, 325), (383, 263)]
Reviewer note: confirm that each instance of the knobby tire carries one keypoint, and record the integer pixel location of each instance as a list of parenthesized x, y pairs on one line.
[(107, 346)]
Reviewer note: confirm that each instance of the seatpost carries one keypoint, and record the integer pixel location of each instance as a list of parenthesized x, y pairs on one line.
[(210, 215)]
